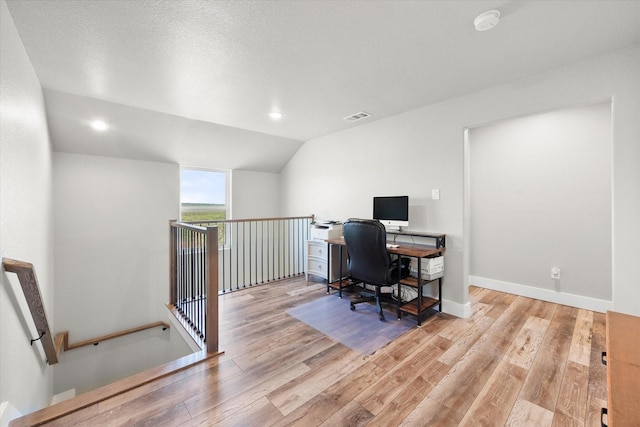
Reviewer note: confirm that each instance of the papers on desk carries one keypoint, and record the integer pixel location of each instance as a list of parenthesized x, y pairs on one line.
[(389, 245)]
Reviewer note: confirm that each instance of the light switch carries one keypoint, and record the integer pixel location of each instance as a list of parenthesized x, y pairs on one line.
[(435, 194)]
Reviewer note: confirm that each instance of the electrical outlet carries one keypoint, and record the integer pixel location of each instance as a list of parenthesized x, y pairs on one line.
[(555, 273)]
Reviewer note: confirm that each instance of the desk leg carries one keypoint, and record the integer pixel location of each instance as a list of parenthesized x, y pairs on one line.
[(328, 268), (329, 260), (419, 291), (340, 271), (398, 302), (440, 295)]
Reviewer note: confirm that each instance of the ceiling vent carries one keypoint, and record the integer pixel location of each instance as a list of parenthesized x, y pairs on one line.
[(357, 116)]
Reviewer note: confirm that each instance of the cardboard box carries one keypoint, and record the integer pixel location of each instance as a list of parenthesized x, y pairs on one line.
[(432, 268)]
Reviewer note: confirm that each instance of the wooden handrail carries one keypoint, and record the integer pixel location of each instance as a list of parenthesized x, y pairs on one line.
[(311, 217), (187, 225), (29, 283), (62, 338), (52, 348)]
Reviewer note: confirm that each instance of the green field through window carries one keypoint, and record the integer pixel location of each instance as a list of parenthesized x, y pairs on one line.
[(202, 212)]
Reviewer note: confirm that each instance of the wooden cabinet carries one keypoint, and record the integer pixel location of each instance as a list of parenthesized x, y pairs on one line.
[(623, 370)]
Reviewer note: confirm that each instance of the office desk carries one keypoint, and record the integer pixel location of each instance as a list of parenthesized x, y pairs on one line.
[(421, 304), (439, 238)]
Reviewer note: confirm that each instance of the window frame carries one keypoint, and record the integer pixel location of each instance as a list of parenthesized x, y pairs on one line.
[(227, 187)]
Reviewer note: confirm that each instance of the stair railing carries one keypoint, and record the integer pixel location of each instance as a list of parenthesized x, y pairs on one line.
[(193, 281), (62, 338), (259, 250), (54, 346), (211, 257)]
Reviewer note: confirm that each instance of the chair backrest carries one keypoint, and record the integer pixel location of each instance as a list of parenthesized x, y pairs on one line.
[(366, 242)]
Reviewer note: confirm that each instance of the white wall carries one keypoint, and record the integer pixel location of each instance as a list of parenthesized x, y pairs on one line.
[(90, 367), (335, 176), (112, 242), (255, 194), (26, 231), (540, 189)]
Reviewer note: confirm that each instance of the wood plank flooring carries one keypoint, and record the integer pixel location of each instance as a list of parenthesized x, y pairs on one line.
[(515, 361)]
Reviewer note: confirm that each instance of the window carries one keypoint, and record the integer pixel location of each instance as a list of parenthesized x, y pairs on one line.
[(203, 195)]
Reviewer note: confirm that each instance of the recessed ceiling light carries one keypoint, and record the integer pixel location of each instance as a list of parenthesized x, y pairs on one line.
[(275, 115), (487, 20), (99, 125)]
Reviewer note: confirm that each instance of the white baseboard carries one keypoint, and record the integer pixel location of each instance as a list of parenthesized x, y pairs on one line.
[(451, 307), (8, 412), (456, 309), (563, 298)]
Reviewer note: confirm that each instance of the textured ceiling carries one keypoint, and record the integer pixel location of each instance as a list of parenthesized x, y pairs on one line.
[(228, 63)]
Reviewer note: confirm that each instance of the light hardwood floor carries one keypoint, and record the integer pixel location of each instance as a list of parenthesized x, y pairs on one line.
[(515, 361)]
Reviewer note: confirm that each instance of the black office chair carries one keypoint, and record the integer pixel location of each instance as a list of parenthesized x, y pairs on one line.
[(369, 260)]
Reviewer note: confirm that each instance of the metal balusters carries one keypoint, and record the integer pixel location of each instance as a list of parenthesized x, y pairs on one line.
[(198, 291), (223, 281), (262, 258), (273, 249), (260, 250), (249, 250), (252, 246), (189, 278), (278, 239), (290, 228), (226, 250), (236, 254)]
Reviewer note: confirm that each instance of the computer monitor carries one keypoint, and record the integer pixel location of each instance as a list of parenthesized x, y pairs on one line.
[(392, 211)]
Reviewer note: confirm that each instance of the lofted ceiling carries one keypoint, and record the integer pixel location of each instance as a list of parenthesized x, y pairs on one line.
[(193, 82)]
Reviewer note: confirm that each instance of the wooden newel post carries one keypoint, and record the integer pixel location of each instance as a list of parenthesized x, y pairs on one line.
[(211, 277)]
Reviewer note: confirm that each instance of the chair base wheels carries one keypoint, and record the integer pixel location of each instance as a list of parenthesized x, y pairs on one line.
[(368, 297)]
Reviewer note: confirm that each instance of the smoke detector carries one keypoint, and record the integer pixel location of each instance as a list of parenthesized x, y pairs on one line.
[(487, 20)]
